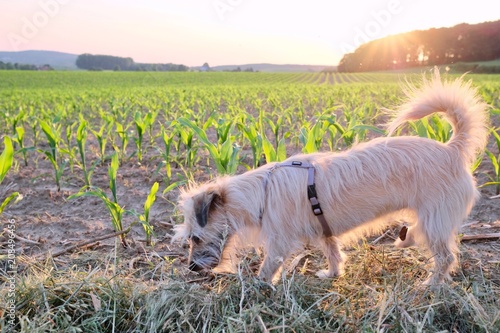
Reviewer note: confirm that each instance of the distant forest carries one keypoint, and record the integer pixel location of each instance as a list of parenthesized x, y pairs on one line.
[(23, 67), (105, 62), (461, 43)]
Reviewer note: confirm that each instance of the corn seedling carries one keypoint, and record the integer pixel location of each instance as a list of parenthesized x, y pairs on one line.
[(251, 133), (186, 138), (115, 210), (112, 173), (81, 139), (495, 161), (433, 127), (353, 131), (70, 150), (275, 128), (165, 154), (140, 125), (312, 137), (53, 138), (19, 138), (150, 121), (123, 134), (144, 218), (102, 139), (225, 155), (271, 153), (35, 130), (6, 159), (18, 119)]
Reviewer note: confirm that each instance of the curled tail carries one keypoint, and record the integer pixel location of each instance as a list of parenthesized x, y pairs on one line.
[(461, 106)]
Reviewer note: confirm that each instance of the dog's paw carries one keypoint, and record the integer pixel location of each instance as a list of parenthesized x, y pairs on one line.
[(327, 274)]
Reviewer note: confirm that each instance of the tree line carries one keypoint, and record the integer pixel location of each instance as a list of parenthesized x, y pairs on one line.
[(461, 43), (106, 62), (23, 67)]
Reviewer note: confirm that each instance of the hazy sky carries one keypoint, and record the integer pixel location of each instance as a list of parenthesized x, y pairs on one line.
[(220, 32)]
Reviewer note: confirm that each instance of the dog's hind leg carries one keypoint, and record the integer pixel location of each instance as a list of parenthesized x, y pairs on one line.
[(334, 256)]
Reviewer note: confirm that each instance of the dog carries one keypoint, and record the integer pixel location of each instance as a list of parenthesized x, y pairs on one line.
[(360, 191)]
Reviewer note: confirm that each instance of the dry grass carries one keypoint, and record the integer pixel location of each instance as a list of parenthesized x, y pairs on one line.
[(89, 292)]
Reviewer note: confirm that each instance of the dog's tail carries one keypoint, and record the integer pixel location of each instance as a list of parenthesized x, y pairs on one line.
[(461, 106)]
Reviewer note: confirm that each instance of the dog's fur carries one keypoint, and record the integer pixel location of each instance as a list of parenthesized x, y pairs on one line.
[(360, 191)]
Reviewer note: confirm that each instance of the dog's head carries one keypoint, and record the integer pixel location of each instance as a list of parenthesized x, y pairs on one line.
[(205, 227)]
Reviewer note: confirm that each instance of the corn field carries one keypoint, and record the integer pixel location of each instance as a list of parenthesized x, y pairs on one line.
[(96, 134)]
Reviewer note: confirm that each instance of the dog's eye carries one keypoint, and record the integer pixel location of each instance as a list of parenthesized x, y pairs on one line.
[(195, 239)]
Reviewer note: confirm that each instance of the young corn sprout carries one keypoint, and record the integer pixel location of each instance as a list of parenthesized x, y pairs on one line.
[(144, 218), (115, 210), (495, 161), (6, 159), (19, 139), (123, 134), (140, 125), (69, 150), (225, 155), (167, 140), (81, 139), (102, 139), (53, 137)]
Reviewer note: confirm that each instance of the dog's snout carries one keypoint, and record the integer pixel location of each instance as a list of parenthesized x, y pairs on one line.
[(195, 267)]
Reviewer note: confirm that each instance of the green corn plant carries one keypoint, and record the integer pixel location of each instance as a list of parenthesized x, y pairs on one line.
[(251, 133), (102, 139), (115, 210), (186, 138), (53, 138), (81, 140), (223, 128), (271, 153), (432, 127), (495, 161), (144, 218), (70, 150), (6, 160), (150, 121), (312, 137), (353, 131), (112, 173), (19, 138), (275, 127), (35, 130), (140, 125), (165, 154), (225, 155), (123, 134)]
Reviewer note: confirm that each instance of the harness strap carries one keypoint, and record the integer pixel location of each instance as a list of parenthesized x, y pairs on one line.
[(311, 191)]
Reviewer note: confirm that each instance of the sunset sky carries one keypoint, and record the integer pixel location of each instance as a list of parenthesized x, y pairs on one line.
[(223, 32)]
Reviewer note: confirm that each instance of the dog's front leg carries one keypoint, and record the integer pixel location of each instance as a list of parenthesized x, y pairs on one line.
[(229, 257), (334, 257), (272, 262)]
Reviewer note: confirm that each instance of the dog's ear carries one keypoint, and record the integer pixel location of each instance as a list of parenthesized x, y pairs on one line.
[(202, 203)]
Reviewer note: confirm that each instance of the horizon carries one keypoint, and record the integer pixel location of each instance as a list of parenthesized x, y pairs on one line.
[(222, 32)]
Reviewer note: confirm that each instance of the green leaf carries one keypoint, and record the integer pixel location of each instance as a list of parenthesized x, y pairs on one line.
[(150, 200), (7, 200), (112, 172), (174, 185), (6, 158)]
